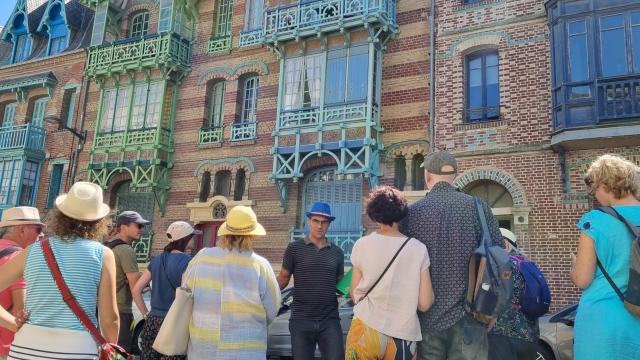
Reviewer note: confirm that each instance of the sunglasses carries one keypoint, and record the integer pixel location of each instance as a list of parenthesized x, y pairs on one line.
[(589, 183), (39, 229), (140, 226)]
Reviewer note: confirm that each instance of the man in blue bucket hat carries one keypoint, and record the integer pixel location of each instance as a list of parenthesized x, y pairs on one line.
[(317, 265)]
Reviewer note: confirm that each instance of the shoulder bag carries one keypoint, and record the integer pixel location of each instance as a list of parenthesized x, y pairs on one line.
[(106, 350)]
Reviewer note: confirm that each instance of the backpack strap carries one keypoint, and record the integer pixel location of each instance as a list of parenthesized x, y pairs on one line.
[(634, 231), (8, 251), (114, 243)]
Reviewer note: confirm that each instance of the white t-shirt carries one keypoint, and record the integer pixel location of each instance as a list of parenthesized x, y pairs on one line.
[(391, 308)]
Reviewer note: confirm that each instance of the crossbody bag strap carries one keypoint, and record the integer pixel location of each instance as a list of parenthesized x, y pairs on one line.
[(385, 269), (164, 269), (8, 251), (66, 293), (611, 211)]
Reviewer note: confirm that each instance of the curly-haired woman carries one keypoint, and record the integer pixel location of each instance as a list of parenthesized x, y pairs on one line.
[(386, 324), (604, 329), (88, 268)]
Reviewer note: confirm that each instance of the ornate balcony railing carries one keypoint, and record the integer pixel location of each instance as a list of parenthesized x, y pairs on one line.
[(343, 239), (25, 137), (243, 131), (334, 114), (150, 51), (211, 135), (310, 17), (133, 138), (618, 99), (219, 44), (249, 38)]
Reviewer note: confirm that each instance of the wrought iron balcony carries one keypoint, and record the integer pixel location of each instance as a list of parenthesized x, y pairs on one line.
[(328, 115), (619, 99), (249, 38), (22, 137), (243, 131), (219, 44), (133, 139), (133, 54), (213, 135), (308, 18)]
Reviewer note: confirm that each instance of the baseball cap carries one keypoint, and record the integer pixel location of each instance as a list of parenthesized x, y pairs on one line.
[(434, 163), (180, 229), (130, 217)]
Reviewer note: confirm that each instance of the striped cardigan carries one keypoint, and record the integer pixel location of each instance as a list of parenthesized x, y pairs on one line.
[(236, 296)]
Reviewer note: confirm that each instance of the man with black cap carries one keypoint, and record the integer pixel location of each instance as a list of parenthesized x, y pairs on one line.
[(446, 221), (129, 227)]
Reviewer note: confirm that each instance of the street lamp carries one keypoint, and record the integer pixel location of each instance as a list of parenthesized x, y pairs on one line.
[(52, 119)]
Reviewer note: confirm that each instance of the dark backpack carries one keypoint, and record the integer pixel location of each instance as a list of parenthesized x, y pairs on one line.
[(113, 243), (8, 251), (490, 284), (536, 297), (631, 297)]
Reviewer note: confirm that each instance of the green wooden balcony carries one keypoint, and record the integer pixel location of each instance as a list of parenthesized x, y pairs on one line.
[(219, 44), (327, 117), (310, 18), (243, 131), (211, 135), (137, 53), (133, 140), (22, 137), (250, 38)]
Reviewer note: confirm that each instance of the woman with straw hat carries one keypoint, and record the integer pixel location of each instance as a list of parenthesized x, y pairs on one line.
[(235, 293), (52, 330)]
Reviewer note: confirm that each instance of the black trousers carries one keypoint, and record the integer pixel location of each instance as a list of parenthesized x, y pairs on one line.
[(124, 335), (507, 348)]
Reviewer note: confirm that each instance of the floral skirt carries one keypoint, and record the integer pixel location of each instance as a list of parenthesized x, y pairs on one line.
[(148, 336), (366, 343)]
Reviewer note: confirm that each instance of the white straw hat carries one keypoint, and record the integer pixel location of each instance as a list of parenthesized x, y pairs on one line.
[(83, 202), (20, 215)]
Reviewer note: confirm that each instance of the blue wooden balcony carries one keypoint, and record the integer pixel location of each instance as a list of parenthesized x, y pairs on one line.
[(22, 137), (310, 18), (590, 114)]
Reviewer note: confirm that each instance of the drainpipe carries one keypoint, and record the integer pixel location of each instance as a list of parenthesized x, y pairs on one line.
[(432, 72), (81, 142)]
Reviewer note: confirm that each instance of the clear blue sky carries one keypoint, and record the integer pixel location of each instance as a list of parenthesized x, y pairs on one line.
[(5, 10)]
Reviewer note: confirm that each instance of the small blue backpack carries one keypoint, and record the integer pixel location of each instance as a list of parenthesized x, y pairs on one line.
[(536, 297)]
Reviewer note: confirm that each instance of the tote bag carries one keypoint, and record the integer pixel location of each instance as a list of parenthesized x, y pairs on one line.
[(173, 337)]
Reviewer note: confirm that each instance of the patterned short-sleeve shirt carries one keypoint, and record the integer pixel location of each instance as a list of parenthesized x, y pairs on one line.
[(446, 221)]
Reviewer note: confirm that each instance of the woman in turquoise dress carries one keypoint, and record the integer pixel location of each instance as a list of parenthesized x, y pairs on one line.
[(604, 329)]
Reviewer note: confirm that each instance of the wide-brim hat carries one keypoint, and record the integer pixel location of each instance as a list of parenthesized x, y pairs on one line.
[(320, 209), (241, 220), (83, 202), (510, 236), (20, 215)]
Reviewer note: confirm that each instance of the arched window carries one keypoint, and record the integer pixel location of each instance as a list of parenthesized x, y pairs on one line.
[(417, 176), (57, 31), (239, 188), (222, 183), (249, 99), (21, 41), (140, 24), (482, 86), (400, 173), (205, 187), (216, 97), (497, 197)]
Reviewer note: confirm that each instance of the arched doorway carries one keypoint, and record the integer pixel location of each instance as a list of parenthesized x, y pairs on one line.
[(344, 195), (497, 197)]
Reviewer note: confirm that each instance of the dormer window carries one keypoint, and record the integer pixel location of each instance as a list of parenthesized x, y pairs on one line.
[(21, 41), (57, 31), (140, 24)]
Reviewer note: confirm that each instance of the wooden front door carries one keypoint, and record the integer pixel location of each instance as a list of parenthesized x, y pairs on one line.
[(209, 236)]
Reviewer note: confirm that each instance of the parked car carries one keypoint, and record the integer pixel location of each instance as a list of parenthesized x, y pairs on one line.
[(138, 322), (556, 335), (279, 337)]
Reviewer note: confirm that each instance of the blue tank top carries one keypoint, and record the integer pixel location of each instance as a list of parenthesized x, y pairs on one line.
[(80, 262)]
